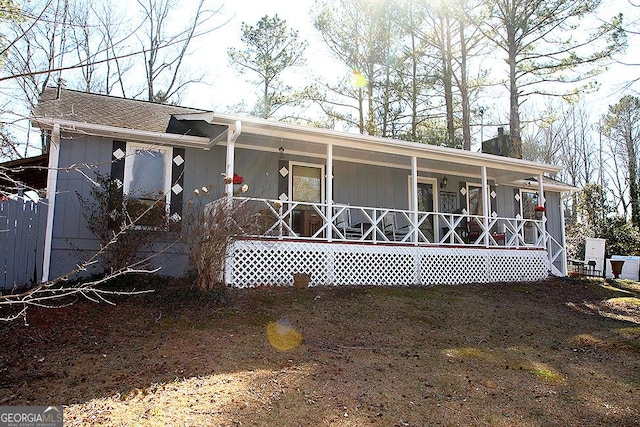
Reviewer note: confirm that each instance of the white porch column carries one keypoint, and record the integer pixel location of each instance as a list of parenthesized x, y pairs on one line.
[(486, 206), (52, 188), (231, 145), (563, 241), (329, 191), (541, 201), (414, 196), (228, 188), (541, 198)]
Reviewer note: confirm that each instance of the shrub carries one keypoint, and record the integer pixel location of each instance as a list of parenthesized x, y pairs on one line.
[(209, 226), (124, 225)]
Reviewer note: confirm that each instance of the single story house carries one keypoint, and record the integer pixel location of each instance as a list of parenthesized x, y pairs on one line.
[(343, 207)]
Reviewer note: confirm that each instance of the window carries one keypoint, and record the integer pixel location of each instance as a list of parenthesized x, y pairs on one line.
[(528, 203), (307, 184), (147, 179)]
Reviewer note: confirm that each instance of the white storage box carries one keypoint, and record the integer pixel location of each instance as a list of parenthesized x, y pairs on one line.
[(594, 251)]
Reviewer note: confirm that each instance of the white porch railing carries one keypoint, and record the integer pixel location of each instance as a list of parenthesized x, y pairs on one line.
[(273, 219), (269, 219)]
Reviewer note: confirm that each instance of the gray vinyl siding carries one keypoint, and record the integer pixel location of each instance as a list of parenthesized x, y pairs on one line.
[(78, 156), (369, 185), (354, 183), (72, 241), (201, 168), (259, 170), (508, 207), (505, 201), (554, 224)]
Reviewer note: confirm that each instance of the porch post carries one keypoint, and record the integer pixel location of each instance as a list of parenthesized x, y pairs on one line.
[(52, 188), (563, 241), (486, 206), (414, 196), (228, 187), (231, 144), (541, 198), (541, 201), (329, 191)]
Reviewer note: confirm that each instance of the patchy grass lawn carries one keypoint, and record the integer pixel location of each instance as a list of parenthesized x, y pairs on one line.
[(562, 352)]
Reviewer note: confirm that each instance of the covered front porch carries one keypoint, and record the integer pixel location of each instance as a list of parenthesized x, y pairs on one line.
[(358, 209), (382, 246)]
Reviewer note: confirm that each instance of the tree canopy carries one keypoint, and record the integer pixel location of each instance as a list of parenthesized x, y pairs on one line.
[(270, 48)]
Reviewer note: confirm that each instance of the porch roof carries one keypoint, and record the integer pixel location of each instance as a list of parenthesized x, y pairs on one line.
[(310, 141), (79, 112)]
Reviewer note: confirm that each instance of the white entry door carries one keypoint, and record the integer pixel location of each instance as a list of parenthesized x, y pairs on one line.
[(427, 202)]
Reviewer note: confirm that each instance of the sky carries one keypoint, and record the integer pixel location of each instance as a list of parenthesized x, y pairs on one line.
[(228, 87)]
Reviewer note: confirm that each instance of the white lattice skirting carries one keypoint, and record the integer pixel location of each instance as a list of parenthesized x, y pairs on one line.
[(255, 263)]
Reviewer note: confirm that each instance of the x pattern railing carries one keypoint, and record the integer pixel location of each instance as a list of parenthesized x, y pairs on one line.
[(274, 219), (277, 219)]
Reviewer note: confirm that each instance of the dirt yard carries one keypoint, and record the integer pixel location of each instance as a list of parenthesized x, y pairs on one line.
[(562, 352)]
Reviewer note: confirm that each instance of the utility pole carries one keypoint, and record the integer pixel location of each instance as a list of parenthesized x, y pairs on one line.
[(481, 112)]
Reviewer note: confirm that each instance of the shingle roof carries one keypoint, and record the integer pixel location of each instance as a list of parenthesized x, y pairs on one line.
[(106, 110), (548, 180)]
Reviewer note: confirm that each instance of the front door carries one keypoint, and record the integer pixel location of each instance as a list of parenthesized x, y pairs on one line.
[(427, 202), (307, 186), (528, 203)]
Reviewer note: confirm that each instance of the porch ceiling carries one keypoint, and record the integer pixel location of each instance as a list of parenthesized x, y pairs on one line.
[(308, 141), (499, 173)]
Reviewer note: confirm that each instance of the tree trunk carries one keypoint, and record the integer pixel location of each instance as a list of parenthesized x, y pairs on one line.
[(446, 77), (464, 91), (370, 126), (514, 101), (633, 177), (265, 101), (361, 126), (414, 89)]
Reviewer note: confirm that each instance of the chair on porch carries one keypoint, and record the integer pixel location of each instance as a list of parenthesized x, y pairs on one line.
[(500, 234), (474, 230), (391, 228), (344, 224)]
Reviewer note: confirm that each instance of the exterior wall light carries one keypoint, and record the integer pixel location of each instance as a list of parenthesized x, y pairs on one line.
[(444, 182)]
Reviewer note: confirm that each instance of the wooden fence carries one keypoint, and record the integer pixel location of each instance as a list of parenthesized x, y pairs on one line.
[(22, 231)]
